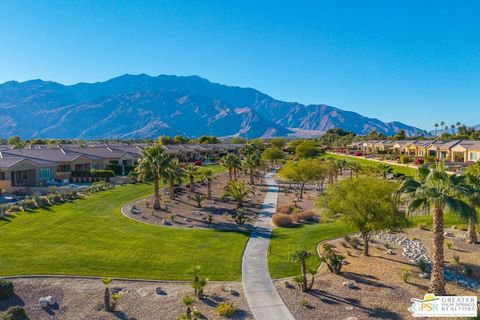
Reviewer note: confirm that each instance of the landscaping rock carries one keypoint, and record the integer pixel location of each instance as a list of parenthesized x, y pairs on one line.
[(349, 284), (389, 252), (43, 302), (424, 275)]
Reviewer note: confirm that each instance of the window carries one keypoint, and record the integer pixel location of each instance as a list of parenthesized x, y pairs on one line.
[(44, 173), (473, 156), (64, 168), (2, 175)]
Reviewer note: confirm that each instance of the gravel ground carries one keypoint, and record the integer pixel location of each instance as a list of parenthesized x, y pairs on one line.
[(83, 298), (379, 293), (184, 213)]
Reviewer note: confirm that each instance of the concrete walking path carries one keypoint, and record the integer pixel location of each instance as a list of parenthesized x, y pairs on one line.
[(261, 294)]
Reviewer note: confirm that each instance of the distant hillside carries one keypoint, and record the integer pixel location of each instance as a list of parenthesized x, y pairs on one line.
[(133, 106)]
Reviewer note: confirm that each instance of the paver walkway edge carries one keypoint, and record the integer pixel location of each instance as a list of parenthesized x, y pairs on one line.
[(261, 294)]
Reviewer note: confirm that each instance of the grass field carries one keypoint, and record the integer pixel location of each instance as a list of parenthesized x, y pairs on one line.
[(396, 168), (91, 237)]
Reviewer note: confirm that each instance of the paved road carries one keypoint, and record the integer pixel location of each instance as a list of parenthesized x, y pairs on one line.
[(262, 296)]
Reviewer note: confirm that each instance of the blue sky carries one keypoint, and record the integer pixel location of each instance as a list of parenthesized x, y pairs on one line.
[(413, 61)]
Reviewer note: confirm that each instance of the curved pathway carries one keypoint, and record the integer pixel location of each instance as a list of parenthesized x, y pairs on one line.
[(261, 294)]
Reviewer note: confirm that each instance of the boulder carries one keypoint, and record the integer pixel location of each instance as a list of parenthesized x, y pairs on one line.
[(349, 284), (50, 300), (43, 302), (389, 252)]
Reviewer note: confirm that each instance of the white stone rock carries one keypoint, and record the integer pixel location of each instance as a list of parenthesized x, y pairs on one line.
[(43, 302), (50, 300), (389, 252)]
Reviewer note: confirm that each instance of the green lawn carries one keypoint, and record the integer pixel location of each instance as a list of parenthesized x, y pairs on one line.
[(92, 237), (396, 168)]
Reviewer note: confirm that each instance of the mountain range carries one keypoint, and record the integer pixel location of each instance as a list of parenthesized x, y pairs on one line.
[(138, 106)]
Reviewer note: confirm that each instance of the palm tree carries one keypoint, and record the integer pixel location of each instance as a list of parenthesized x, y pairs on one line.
[(436, 190), (198, 198), (152, 164), (232, 163), (301, 256), (173, 174), (385, 170), (251, 162), (436, 128), (452, 126), (191, 171), (106, 296), (207, 175), (237, 190), (473, 184), (188, 302)]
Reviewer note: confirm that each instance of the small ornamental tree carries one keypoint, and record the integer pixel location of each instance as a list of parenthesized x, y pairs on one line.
[(273, 155), (365, 203)]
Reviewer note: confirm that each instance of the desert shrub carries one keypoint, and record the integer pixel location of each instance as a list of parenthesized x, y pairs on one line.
[(15, 313), (6, 289), (286, 209), (14, 208), (282, 220), (456, 260), (429, 159), (308, 215), (404, 159), (423, 265), (303, 303), (333, 260), (225, 309), (405, 275), (354, 242), (449, 244)]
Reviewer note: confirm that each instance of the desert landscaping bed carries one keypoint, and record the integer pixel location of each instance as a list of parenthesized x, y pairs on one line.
[(83, 299), (183, 212), (377, 290)]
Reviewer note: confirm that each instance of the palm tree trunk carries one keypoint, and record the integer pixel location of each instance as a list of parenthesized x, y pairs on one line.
[(106, 299), (302, 187), (437, 282), (365, 245), (235, 174), (472, 233), (156, 194), (230, 174), (304, 275), (239, 204), (251, 177), (172, 189), (191, 183), (209, 189)]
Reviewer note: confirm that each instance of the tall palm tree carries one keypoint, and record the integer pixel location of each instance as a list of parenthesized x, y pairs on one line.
[(437, 191), (237, 190), (173, 174), (301, 256), (473, 184), (452, 126), (251, 162), (436, 128), (232, 162), (191, 171), (152, 165), (207, 176)]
